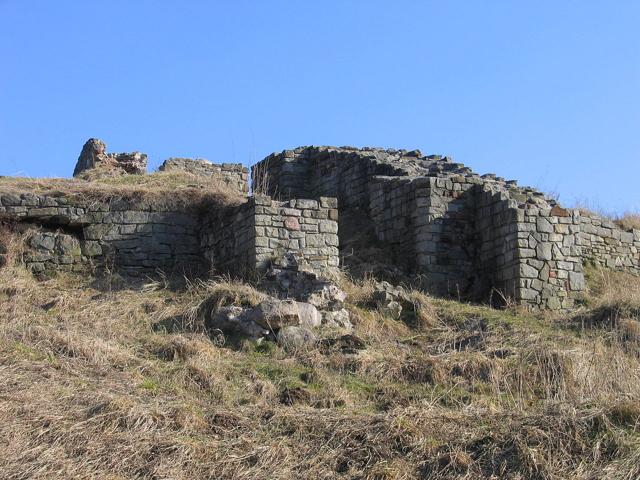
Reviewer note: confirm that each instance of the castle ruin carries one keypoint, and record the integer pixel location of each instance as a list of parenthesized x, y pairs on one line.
[(425, 220)]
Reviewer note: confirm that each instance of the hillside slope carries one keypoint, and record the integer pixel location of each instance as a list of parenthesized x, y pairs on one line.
[(101, 380)]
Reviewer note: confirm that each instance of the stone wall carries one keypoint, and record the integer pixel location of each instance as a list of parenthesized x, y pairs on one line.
[(344, 173), (54, 251), (447, 246), (305, 229), (233, 175), (456, 232), (262, 231), (605, 244), (69, 233), (551, 269), (135, 237), (396, 213), (497, 262), (227, 239)]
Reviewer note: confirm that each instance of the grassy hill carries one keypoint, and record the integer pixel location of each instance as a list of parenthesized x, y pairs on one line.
[(101, 380)]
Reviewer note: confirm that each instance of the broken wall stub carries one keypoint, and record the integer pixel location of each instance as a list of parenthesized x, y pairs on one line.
[(94, 156)]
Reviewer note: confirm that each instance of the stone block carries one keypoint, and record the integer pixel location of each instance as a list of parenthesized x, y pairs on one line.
[(543, 251), (543, 225), (576, 281), (328, 226)]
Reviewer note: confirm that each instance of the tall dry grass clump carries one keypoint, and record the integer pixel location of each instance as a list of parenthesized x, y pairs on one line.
[(629, 221), (613, 296)]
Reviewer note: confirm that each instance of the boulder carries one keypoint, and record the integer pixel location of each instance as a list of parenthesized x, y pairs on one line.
[(295, 337), (390, 299), (392, 309), (235, 321), (327, 296), (274, 314), (309, 315), (287, 278)]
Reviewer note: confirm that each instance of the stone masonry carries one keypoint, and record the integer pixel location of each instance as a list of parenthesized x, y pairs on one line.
[(71, 234), (452, 230), (445, 228)]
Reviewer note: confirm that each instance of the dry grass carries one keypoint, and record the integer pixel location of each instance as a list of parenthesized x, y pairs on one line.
[(629, 221), (90, 387), (614, 296), (167, 189)]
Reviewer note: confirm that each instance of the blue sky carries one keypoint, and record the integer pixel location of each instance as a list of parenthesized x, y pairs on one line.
[(546, 92)]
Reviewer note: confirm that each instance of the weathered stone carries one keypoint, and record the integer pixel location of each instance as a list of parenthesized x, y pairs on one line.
[(543, 225), (309, 315), (291, 223), (233, 320), (93, 152), (576, 281), (274, 314), (43, 241), (337, 319), (295, 337)]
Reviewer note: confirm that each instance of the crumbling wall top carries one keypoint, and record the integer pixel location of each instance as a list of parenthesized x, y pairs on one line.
[(94, 156)]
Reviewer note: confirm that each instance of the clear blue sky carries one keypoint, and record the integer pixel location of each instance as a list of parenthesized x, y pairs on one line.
[(547, 92)]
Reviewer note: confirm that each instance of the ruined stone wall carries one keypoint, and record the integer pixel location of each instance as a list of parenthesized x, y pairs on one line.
[(427, 220), (133, 237), (227, 239), (313, 172), (447, 244), (70, 234), (246, 239), (307, 229), (233, 175), (498, 261), (459, 232), (396, 212), (605, 244), (551, 270)]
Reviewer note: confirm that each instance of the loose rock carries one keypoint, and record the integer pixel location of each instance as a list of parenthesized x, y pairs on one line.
[(291, 338)]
